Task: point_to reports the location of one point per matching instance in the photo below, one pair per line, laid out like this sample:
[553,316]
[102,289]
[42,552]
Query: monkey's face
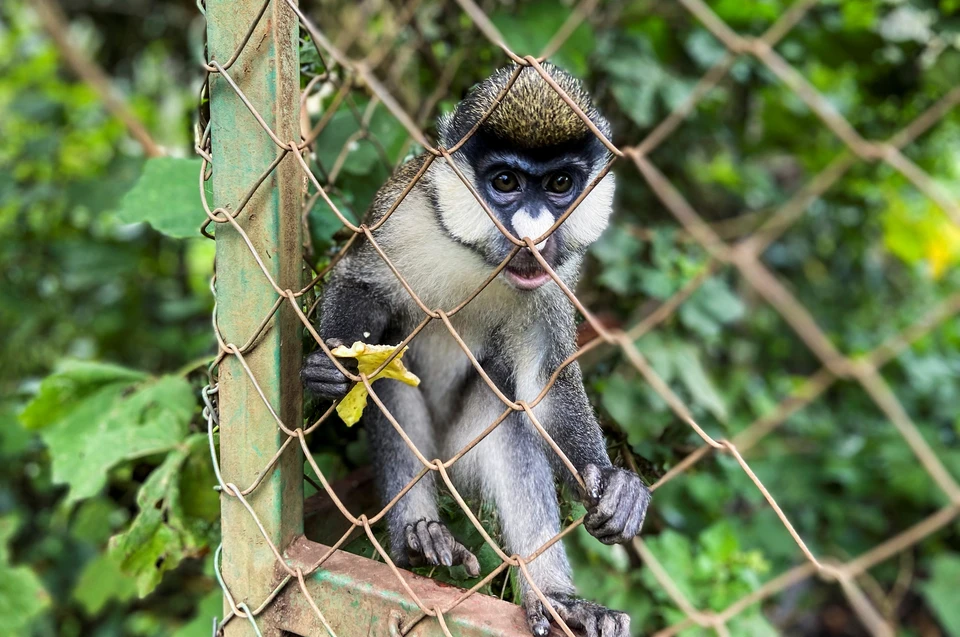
[529,191]
[528,195]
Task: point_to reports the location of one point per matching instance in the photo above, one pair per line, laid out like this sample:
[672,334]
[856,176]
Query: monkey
[529,159]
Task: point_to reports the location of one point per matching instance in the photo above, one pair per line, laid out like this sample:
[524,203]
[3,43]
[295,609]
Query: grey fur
[445,247]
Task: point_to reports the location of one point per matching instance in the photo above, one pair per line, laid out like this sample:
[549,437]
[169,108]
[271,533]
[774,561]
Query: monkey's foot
[430,542]
[593,620]
[616,502]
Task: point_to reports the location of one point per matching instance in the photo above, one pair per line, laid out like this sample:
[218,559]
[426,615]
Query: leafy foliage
[165,196]
[107,517]
[22,595]
[108,420]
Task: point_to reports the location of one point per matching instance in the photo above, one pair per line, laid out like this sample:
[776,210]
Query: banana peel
[369,358]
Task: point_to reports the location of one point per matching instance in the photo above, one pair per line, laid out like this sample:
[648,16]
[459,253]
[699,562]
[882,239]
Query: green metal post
[267,72]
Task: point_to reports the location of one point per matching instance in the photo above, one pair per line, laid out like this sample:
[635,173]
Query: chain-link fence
[262,537]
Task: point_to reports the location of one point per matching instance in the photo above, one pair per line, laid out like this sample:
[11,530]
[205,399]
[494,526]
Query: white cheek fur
[584,226]
[461,213]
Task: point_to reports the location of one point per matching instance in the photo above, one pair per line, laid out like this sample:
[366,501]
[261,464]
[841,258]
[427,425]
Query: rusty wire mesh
[743,255]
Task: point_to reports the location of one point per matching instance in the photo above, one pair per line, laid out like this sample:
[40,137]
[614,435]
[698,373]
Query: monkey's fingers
[322,374]
[461,555]
[538,618]
[608,504]
[593,483]
[431,542]
[626,523]
[621,511]
[593,619]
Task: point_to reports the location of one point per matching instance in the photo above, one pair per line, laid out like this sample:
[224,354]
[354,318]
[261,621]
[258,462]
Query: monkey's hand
[616,502]
[430,542]
[322,378]
[593,619]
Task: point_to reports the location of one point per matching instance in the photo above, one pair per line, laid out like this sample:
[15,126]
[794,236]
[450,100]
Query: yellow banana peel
[369,358]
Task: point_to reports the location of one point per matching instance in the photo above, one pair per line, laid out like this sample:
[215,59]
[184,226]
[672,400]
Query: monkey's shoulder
[403,180]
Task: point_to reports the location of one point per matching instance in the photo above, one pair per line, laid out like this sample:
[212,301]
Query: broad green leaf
[14,437]
[101,582]
[163,534]
[22,595]
[529,26]
[940,590]
[626,400]
[93,417]
[753,624]
[72,383]
[166,196]
[710,307]
[691,372]
[22,598]
[96,519]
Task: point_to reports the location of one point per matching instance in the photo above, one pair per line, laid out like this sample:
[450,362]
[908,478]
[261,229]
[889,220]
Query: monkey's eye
[559,183]
[506,182]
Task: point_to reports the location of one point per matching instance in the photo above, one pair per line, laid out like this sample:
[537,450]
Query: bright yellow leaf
[915,230]
[943,249]
[369,358]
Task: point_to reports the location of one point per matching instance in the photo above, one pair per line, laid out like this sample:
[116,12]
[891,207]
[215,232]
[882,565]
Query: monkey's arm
[353,310]
[616,499]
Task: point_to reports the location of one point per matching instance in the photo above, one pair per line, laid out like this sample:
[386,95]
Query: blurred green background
[108,519]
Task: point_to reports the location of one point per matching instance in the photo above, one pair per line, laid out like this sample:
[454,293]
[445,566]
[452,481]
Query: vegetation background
[107,514]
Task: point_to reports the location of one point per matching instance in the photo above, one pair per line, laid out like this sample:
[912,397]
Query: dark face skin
[528,192]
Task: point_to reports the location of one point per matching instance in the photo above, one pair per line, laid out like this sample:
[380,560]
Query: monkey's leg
[416,535]
[518,475]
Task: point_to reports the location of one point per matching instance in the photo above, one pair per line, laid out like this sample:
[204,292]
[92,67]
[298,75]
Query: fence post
[267,73]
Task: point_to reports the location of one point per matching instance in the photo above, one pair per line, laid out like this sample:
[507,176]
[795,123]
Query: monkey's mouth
[524,272]
[526,279]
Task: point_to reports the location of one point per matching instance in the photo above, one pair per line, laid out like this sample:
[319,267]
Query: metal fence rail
[255,100]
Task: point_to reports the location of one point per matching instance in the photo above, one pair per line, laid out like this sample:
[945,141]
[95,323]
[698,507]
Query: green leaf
[690,370]
[70,384]
[940,590]
[166,196]
[96,519]
[626,401]
[22,595]
[710,307]
[101,582]
[14,438]
[93,416]
[529,26]
[163,534]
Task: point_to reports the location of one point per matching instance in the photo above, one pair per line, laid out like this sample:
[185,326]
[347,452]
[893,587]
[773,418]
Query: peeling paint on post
[267,72]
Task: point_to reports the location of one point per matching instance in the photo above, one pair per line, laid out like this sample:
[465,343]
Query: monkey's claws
[430,542]
[322,378]
[616,502]
[592,619]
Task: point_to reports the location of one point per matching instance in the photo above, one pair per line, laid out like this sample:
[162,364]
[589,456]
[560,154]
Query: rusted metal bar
[362,598]
[266,72]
